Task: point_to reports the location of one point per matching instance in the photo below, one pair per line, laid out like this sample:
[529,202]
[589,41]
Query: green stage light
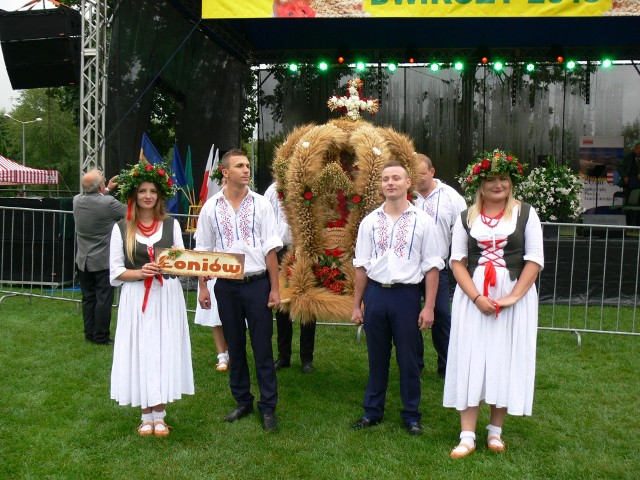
[459,66]
[434,67]
[392,67]
[571,64]
[323,66]
[606,63]
[360,66]
[293,67]
[530,67]
[497,65]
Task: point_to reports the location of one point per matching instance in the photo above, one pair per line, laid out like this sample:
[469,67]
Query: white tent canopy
[12,173]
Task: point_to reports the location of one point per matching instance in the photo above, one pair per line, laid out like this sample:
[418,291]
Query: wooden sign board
[190,263]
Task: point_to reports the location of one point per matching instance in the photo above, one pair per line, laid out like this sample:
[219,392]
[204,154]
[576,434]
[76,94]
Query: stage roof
[279,40]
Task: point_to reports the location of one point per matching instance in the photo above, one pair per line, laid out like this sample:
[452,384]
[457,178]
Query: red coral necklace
[491,222]
[150,230]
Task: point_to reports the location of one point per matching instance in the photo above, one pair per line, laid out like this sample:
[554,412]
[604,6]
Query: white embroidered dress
[152,350]
[494,359]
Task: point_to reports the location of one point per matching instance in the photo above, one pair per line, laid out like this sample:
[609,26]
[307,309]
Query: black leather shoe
[365,422]
[238,413]
[269,422]
[308,367]
[414,428]
[282,363]
[105,342]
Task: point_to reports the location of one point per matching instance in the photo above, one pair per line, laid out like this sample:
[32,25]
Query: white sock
[159,417]
[468,437]
[223,357]
[147,417]
[494,431]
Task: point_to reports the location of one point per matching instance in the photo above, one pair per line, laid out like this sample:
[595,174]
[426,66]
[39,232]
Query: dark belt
[247,278]
[392,285]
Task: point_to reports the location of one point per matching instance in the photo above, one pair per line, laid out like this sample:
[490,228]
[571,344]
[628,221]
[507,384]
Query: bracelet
[477,296]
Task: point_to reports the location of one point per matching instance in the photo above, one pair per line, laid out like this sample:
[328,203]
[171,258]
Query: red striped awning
[12,173]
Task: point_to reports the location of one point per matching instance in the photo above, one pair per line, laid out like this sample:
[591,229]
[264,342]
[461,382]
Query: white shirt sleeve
[205,231]
[116,257]
[178,242]
[363,253]
[269,232]
[459,245]
[533,243]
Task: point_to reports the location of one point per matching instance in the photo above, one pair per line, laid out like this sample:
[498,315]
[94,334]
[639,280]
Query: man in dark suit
[95,213]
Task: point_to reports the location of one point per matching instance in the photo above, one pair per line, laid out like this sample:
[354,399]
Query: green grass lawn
[57,421]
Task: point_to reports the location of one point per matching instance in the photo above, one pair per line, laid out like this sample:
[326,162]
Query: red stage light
[411,60]
[340,59]
[484,60]
[560,59]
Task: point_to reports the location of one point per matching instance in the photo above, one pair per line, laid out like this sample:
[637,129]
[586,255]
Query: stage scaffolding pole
[93,85]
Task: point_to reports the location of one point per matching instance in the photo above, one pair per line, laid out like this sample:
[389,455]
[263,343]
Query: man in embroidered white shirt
[444,205]
[237,220]
[396,248]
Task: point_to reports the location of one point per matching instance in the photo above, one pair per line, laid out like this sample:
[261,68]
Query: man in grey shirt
[95,213]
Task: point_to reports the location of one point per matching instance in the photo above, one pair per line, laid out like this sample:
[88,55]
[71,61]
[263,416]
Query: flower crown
[216,173]
[497,162]
[159,173]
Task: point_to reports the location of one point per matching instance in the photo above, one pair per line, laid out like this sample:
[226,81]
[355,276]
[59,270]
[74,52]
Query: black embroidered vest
[513,251]
[140,254]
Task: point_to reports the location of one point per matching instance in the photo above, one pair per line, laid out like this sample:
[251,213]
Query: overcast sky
[6,92]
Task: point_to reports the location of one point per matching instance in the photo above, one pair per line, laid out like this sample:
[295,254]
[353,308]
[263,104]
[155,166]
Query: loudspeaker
[41,48]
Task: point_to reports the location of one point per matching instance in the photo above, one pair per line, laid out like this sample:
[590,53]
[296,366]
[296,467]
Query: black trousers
[442,321]
[97,300]
[285,337]
[237,301]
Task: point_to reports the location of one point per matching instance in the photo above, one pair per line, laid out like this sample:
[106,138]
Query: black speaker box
[41,48]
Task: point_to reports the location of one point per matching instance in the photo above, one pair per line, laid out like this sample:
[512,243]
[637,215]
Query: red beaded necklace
[491,222]
[150,230]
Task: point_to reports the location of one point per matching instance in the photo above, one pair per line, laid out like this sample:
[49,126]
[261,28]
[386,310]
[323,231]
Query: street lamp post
[24,187]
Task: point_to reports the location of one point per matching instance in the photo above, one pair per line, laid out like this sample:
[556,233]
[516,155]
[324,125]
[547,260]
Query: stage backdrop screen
[416,8]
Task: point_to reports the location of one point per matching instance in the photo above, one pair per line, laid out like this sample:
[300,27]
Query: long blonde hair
[476,208]
[131,222]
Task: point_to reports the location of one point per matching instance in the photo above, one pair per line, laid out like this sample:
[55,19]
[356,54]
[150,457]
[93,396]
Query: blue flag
[148,152]
[188,198]
[181,181]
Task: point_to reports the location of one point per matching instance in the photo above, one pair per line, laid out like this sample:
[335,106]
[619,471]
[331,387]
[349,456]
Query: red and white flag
[209,187]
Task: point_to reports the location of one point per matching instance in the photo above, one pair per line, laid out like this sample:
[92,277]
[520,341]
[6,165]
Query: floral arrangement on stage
[329,179]
[353,103]
[554,191]
[496,162]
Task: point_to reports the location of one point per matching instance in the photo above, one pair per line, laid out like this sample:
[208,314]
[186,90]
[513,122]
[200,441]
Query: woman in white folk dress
[152,350]
[496,255]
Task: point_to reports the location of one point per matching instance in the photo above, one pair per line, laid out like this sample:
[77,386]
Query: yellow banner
[415,8]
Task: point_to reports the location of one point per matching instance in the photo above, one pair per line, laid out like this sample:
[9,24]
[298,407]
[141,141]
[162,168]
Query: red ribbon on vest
[490,273]
[149,280]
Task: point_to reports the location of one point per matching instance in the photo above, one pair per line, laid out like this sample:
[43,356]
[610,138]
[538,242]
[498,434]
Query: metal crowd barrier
[589,283]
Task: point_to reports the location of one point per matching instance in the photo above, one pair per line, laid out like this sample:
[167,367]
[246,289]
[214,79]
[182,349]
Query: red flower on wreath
[328,273]
[485,164]
[148,168]
[307,195]
[356,199]
[477,168]
[280,194]
[161,172]
[169,182]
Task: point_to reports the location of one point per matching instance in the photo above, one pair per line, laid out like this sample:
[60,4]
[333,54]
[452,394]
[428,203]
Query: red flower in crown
[519,168]
[148,168]
[485,164]
[509,158]
[169,182]
[469,179]
[161,172]
[477,168]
